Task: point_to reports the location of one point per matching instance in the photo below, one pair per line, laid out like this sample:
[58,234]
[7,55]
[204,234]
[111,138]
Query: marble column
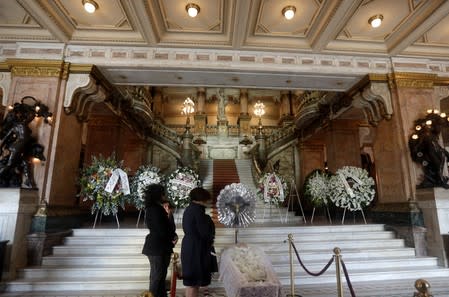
[200,116]
[342,143]
[286,116]
[157,103]
[397,176]
[244,117]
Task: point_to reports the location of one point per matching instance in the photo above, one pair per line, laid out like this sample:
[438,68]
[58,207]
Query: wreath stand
[294,193]
[101,216]
[344,212]
[265,209]
[138,217]
[328,215]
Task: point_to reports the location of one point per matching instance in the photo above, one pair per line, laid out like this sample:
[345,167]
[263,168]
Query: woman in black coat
[198,261]
[160,241]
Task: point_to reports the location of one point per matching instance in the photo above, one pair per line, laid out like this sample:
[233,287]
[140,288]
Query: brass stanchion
[422,286]
[338,271]
[292,274]
[174,275]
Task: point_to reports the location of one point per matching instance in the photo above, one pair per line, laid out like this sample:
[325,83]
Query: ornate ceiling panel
[326,26]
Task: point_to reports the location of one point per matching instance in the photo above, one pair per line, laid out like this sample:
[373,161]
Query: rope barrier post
[337,257]
[174,275]
[422,286]
[292,274]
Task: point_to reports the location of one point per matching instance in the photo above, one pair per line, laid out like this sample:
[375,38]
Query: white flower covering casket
[247,272]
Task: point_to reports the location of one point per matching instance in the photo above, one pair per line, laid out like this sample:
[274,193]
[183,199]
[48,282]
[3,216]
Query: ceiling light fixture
[90,5]
[376,20]
[289,12]
[192,9]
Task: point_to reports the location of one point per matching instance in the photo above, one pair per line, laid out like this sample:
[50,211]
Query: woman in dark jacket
[160,241]
[197,259]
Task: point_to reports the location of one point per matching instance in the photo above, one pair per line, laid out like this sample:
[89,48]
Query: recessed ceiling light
[289,12]
[90,5]
[376,20]
[192,9]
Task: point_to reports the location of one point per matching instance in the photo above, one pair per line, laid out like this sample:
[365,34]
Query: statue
[17,146]
[222,102]
[425,149]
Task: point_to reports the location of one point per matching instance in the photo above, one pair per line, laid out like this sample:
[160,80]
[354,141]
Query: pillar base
[434,203]
[17,207]
[406,221]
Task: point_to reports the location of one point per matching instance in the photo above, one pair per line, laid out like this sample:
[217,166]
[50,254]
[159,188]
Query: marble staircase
[95,259]
[107,261]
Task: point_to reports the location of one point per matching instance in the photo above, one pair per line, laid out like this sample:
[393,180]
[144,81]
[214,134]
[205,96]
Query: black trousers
[158,274]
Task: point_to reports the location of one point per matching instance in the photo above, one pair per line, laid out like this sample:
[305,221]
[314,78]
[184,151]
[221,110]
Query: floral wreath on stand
[179,184]
[144,176]
[105,182]
[272,188]
[316,188]
[351,188]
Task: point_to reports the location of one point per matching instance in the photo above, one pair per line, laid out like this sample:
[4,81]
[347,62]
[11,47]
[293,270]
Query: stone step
[139,267]
[125,282]
[395,288]
[296,230]
[133,252]
[229,238]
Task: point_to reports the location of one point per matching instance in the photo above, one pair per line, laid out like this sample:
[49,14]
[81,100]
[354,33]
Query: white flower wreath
[179,184]
[145,175]
[351,188]
[317,188]
[272,188]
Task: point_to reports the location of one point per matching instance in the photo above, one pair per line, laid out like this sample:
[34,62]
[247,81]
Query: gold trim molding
[412,80]
[81,68]
[4,67]
[38,68]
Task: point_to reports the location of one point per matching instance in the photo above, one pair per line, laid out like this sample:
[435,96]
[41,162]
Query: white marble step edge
[119,283]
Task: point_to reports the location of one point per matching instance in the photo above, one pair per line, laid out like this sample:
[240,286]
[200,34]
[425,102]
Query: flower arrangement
[351,188]
[316,188]
[272,188]
[104,182]
[249,262]
[179,184]
[144,176]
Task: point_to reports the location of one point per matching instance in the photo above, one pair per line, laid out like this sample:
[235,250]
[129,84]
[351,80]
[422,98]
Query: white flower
[351,188]
[145,175]
[179,185]
[317,189]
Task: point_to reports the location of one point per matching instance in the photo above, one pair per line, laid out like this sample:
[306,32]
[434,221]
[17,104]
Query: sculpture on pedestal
[17,145]
[425,148]
[222,102]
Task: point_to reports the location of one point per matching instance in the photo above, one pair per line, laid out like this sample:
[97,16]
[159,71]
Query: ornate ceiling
[328,45]
[410,27]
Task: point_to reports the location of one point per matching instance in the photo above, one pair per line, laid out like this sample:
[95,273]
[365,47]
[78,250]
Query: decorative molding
[37,68]
[4,67]
[441,92]
[375,100]
[5,82]
[74,82]
[82,92]
[413,80]
[81,68]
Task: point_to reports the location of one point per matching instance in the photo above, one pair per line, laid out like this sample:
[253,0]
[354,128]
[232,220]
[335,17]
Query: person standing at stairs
[161,239]
[198,259]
